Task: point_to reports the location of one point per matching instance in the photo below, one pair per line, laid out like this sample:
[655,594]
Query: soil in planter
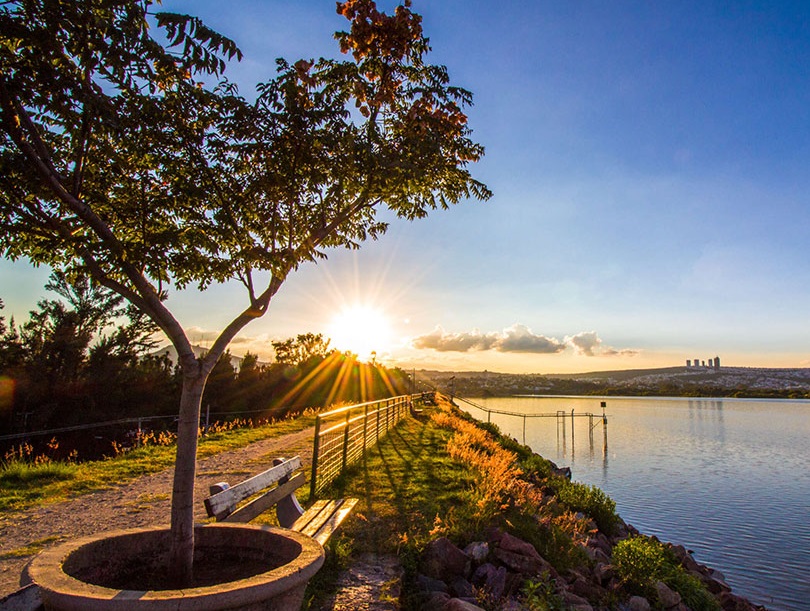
[212,566]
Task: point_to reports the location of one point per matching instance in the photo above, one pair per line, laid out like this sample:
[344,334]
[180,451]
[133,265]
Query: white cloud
[515,339]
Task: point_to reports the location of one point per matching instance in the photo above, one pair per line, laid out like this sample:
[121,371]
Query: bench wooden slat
[225,502]
[331,525]
[261,504]
[321,520]
[309,515]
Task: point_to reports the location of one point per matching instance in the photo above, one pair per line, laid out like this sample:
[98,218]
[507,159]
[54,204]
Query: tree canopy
[127,157]
[118,160]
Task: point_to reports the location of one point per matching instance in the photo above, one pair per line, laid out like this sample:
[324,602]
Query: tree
[119,161]
[298,350]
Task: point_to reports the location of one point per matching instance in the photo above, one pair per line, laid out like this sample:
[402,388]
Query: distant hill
[665,381]
[622,374]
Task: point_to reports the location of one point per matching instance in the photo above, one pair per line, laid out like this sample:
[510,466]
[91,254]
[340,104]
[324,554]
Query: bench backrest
[223,504]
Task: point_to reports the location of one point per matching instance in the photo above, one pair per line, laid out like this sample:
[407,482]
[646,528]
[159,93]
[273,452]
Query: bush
[591,501]
[641,561]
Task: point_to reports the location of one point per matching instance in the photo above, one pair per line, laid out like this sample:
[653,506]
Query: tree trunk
[185,469]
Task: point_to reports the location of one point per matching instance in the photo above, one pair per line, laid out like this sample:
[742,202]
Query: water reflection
[706,418]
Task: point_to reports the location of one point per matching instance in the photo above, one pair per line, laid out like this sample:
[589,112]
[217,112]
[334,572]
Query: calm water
[726,478]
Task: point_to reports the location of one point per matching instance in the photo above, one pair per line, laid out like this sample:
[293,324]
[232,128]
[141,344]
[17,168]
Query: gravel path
[142,502]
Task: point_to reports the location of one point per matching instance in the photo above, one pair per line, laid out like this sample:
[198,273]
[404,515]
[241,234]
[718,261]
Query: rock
[638,603]
[732,602]
[604,572]
[437,600]
[429,584]
[490,578]
[520,556]
[477,551]
[513,544]
[494,535]
[596,554]
[575,602]
[462,588]
[445,561]
[713,585]
[667,597]
[720,579]
[686,559]
[600,542]
[456,604]
[586,589]
[525,565]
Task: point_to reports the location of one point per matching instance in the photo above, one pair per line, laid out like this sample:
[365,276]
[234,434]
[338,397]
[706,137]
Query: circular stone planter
[91,574]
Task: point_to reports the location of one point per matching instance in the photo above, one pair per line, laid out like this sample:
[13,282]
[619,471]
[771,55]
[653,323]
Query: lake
[726,478]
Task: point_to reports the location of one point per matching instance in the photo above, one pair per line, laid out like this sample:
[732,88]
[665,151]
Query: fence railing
[343,435]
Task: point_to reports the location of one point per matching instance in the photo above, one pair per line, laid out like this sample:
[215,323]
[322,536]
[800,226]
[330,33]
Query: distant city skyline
[652,200]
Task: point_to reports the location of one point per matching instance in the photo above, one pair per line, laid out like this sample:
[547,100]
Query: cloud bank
[517,338]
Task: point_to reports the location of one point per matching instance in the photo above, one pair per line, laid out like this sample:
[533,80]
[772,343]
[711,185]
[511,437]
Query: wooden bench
[278,486]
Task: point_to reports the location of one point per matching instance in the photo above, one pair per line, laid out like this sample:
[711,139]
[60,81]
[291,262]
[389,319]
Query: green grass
[26,484]
[29,550]
[409,490]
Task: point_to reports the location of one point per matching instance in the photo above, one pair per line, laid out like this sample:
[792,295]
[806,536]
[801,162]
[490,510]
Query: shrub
[641,561]
[591,501]
[539,595]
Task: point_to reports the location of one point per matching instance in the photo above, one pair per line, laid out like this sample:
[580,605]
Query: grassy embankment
[27,481]
[447,474]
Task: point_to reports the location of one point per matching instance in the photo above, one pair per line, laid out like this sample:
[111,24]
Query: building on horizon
[712,363]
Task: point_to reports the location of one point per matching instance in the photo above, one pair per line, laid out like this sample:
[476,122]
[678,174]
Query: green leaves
[201,45]
[118,159]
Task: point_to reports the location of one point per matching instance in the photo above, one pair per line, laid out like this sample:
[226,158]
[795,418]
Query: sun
[363,330]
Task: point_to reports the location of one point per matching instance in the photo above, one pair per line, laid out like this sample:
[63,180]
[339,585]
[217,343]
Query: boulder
[574,602]
[519,546]
[525,565]
[456,604]
[601,542]
[444,560]
[586,589]
[462,588]
[429,584]
[604,572]
[437,600]
[668,598]
[477,551]
[732,602]
[638,603]
[490,578]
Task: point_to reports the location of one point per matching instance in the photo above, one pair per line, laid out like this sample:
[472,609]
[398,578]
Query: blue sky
[652,195]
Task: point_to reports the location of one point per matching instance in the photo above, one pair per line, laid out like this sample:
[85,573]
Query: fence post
[315,449]
[346,439]
[365,428]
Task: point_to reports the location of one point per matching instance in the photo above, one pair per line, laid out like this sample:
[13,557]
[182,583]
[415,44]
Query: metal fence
[343,435]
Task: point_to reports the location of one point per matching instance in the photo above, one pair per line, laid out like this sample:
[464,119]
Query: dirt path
[142,502]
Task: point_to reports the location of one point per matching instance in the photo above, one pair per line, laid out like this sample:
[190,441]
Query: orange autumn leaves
[375,34]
